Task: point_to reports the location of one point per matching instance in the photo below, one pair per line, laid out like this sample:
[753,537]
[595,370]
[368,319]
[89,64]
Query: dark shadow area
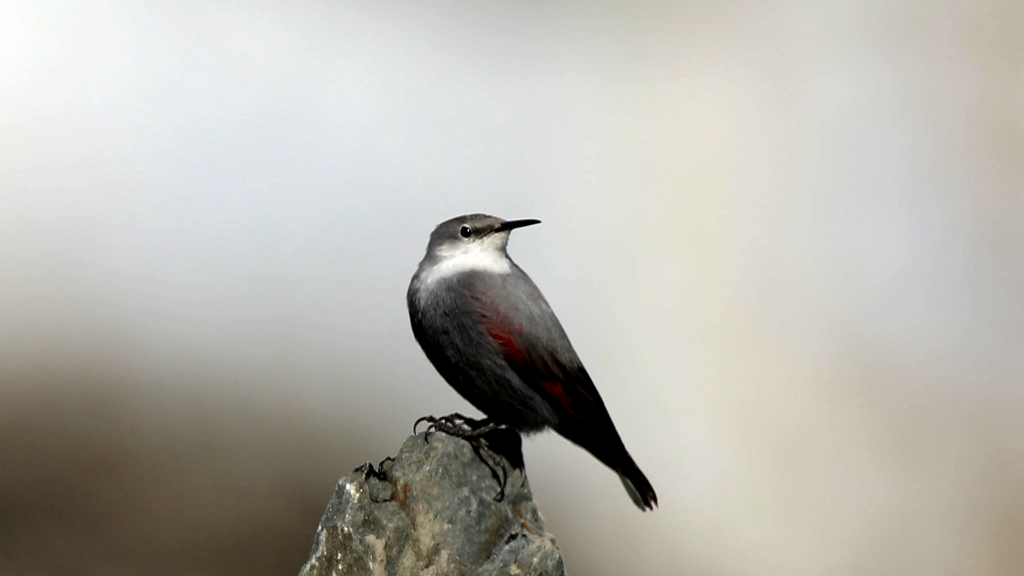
[103,477]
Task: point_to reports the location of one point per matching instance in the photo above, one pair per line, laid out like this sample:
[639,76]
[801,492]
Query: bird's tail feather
[638,488]
[604,443]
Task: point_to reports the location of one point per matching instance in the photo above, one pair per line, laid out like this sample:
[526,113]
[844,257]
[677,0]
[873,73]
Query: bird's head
[469,243]
[473,234]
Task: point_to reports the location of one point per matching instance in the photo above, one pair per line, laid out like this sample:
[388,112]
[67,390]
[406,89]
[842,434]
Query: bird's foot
[498,469]
[456,424]
[496,446]
[380,472]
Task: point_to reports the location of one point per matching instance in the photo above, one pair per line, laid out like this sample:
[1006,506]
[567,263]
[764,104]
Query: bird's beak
[513,224]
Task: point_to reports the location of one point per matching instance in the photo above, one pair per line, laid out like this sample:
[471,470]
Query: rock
[435,510]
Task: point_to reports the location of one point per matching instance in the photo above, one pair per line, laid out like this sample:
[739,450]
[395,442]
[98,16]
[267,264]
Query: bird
[491,334]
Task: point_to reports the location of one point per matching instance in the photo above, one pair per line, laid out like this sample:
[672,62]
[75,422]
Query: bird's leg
[481,426]
[481,434]
[477,432]
[502,479]
[449,424]
[476,427]
[456,424]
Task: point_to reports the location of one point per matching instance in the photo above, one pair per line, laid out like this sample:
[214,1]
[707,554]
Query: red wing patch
[505,334]
[508,345]
[558,393]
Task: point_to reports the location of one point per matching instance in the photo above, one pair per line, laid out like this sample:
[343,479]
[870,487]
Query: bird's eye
[466,231]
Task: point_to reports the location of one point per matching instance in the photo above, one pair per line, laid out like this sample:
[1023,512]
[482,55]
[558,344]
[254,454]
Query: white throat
[484,255]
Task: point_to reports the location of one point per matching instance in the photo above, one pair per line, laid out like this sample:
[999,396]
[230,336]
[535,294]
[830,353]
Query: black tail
[605,444]
[638,488]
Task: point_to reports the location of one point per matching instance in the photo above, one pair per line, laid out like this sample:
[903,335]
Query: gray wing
[450,327]
[518,319]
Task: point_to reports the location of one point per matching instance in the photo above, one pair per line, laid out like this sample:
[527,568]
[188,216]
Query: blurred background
[785,237]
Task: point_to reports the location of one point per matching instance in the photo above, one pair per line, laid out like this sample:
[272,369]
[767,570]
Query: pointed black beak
[513,224]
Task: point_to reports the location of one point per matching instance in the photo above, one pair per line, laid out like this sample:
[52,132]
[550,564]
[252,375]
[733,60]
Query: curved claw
[502,478]
[474,432]
[428,419]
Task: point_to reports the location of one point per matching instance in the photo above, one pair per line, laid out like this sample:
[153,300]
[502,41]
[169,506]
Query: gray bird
[488,330]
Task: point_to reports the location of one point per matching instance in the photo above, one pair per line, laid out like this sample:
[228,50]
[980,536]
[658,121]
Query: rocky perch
[436,509]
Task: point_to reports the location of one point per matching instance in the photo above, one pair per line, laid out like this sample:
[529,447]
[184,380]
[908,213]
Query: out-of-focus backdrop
[785,237]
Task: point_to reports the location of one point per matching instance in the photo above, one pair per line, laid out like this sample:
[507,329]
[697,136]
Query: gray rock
[431,512]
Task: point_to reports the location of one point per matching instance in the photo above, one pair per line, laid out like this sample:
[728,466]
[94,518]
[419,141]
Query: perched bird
[488,330]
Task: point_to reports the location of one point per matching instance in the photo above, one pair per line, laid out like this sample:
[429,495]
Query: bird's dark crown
[470,227]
